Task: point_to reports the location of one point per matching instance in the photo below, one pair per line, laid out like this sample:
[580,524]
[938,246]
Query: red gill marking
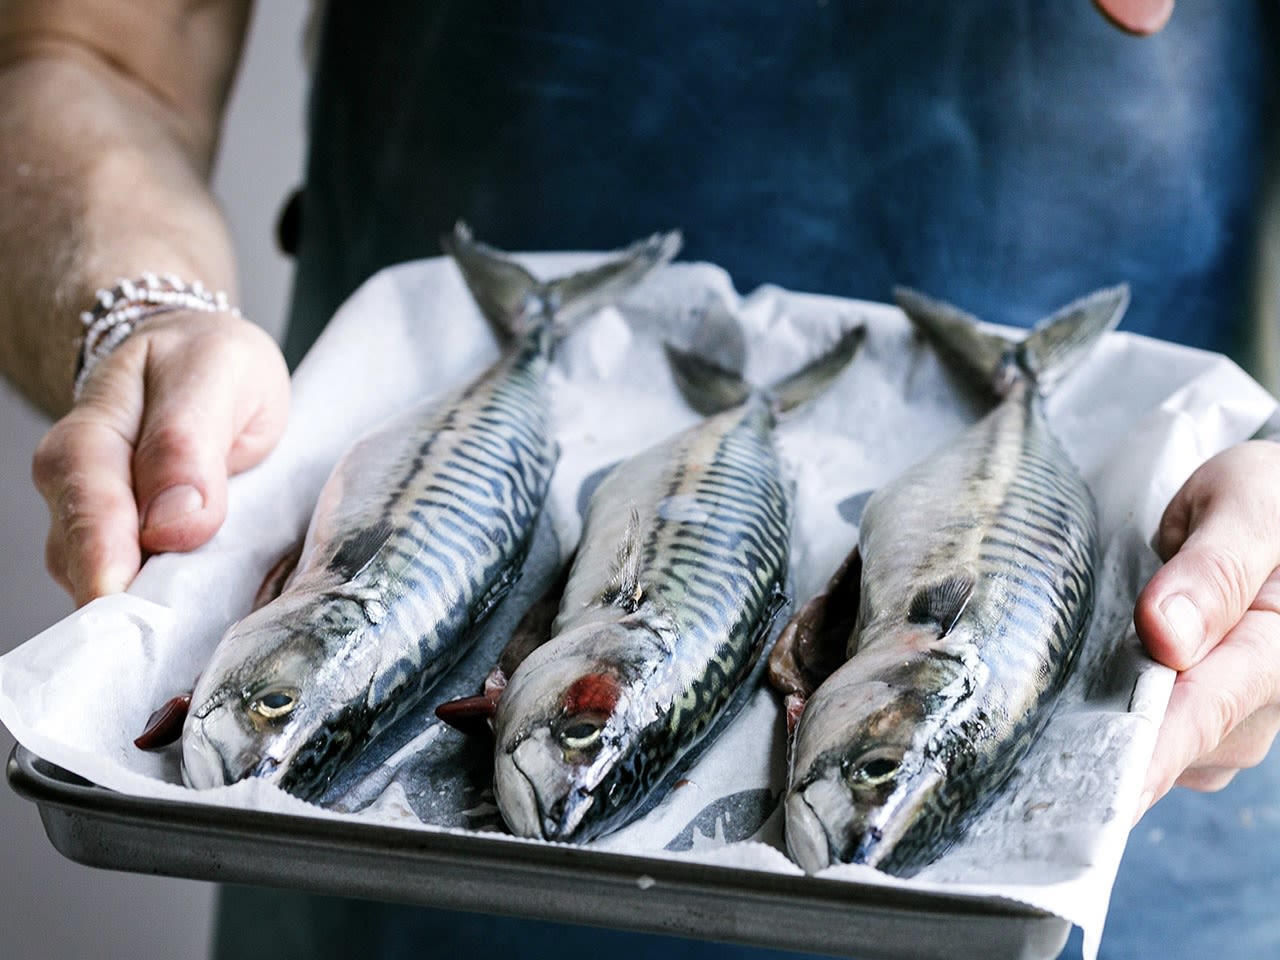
[595,693]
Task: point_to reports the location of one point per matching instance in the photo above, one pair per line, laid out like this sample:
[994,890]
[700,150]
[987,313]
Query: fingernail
[1184,620]
[1137,16]
[101,583]
[113,581]
[170,506]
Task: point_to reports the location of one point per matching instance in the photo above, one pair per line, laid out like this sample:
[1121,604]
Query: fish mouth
[203,764]
[526,809]
[806,835]
[824,827]
[206,761]
[517,799]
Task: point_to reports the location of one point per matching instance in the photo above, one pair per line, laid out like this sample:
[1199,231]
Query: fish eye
[873,770]
[581,733]
[274,704]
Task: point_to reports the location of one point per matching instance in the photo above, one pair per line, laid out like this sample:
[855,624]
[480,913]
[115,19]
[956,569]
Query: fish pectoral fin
[165,725]
[471,715]
[624,588]
[357,551]
[941,603]
[814,642]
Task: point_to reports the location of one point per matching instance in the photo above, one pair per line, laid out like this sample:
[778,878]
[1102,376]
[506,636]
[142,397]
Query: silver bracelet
[118,311]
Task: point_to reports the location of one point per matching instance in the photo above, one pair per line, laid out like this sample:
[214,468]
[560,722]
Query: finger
[1244,748]
[179,464]
[1224,545]
[203,422]
[81,468]
[1214,699]
[1140,17]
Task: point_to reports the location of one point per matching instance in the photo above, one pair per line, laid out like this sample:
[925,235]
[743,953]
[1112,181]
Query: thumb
[1220,537]
[202,422]
[1137,16]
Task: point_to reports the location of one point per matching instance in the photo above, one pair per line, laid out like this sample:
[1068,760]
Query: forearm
[103,174]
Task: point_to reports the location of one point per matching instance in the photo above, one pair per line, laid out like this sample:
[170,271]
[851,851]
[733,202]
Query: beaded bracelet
[118,311]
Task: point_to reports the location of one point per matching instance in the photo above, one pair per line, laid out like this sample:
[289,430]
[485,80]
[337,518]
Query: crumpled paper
[1136,418]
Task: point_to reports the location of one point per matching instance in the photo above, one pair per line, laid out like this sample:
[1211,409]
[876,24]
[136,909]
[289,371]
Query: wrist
[120,310]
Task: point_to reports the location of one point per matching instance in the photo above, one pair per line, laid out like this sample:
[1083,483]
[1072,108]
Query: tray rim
[76,813]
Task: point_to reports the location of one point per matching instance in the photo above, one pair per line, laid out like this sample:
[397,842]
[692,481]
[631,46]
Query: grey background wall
[50,907]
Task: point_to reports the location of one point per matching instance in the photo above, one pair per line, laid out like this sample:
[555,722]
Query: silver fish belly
[653,638]
[977,589]
[419,531]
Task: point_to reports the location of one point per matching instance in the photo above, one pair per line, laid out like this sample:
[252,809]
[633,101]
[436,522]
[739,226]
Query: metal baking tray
[102,828]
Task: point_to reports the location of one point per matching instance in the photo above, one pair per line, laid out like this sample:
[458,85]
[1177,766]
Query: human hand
[1137,16]
[1212,612]
[140,463]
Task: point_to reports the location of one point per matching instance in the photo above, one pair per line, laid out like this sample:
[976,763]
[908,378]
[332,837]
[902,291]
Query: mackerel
[976,590]
[668,605]
[418,534]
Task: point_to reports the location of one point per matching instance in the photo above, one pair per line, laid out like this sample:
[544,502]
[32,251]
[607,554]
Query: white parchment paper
[1137,418]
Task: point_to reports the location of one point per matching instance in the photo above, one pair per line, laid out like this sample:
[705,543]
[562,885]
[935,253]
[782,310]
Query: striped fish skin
[652,640]
[418,532]
[995,536]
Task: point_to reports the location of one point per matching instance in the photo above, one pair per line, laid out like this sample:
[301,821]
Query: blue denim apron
[1007,155]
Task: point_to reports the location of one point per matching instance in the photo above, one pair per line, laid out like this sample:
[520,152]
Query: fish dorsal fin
[355,553]
[624,588]
[942,603]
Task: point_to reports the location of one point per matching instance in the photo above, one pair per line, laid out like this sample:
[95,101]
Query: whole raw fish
[417,535]
[678,577]
[977,578]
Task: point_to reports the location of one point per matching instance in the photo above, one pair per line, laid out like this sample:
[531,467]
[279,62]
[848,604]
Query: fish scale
[678,577]
[434,586]
[977,579]
[703,589]
[420,530]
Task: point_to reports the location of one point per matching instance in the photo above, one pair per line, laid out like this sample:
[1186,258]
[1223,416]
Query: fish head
[567,729]
[862,773]
[265,707]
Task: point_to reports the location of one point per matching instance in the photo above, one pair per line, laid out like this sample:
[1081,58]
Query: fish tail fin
[1045,356]
[710,388]
[797,389]
[705,385]
[517,302]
